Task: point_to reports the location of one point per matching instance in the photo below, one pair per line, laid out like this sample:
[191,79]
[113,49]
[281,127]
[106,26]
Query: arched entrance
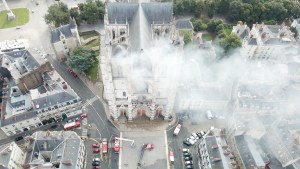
[122,115]
[142,112]
[159,113]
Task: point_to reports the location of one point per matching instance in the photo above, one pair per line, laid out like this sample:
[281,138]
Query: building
[214,151]
[65,39]
[57,149]
[266,42]
[33,94]
[131,31]
[296,24]
[282,141]
[11,156]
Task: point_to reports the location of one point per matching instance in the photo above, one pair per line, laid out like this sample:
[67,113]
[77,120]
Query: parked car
[187,143]
[185,150]
[188,158]
[96,159]
[70,121]
[199,135]
[96,167]
[72,72]
[188,162]
[195,136]
[96,163]
[192,137]
[18,138]
[76,119]
[96,150]
[83,116]
[189,167]
[192,141]
[95,145]
[186,154]
[54,126]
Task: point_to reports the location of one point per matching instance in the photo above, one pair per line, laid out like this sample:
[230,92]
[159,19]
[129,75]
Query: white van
[209,115]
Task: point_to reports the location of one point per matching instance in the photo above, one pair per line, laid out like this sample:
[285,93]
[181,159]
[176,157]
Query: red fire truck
[72,125]
[104,146]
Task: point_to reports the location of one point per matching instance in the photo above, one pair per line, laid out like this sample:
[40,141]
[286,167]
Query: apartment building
[57,149]
[11,156]
[33,94]
[214,151]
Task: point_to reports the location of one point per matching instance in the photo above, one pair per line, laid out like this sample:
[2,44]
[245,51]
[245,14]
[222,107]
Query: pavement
[154,159]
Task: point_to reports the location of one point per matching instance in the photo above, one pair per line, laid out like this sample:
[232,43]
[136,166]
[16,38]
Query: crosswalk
[84,122]
[90,101]
[84,132]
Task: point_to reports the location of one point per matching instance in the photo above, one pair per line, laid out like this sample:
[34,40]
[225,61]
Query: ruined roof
[121,12]
[65,30]
[184,24]
[158,13]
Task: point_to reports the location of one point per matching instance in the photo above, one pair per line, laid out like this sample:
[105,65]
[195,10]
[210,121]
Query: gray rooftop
[248,152]
[5,155]
[53,99]
[27,59]
[252,41]
[18,117]
[214,152]
[65,30]
[184,24]
[121,12]
[158,13]
[61,146]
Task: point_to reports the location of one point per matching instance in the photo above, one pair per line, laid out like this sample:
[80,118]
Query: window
[124,94]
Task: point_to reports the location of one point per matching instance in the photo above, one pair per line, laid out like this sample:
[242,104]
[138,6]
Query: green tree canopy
[91,11]
[230,42]
[82,58]
[57,14]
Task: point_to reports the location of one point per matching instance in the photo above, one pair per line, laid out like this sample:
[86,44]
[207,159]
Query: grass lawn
[93,43]
[22,17]
[88,35]
[228,30]
[93,71]
[208,37]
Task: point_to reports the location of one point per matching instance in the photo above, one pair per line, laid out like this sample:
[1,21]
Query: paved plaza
[154,159]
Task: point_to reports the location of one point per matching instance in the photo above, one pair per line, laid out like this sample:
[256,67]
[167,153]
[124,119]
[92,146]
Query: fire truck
[72,125]
[104,146]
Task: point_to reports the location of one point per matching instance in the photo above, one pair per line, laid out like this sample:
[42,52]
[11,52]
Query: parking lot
[191,123]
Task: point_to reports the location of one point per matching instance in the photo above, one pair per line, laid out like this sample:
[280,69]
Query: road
[95,110]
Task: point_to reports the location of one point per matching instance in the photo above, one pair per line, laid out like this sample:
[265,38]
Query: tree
[235,12]
[75,14]
[91,11]
[57,14]
[199,8]
[231,41]
[82,58]
[213,24]
[295,31]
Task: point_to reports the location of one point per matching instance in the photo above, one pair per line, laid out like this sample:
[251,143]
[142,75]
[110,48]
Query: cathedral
[138,79]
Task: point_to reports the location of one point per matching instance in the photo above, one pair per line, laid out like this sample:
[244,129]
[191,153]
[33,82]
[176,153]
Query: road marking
[100,118]
[121,149]
[166,143]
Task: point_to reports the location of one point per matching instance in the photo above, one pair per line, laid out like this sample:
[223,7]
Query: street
[189,125]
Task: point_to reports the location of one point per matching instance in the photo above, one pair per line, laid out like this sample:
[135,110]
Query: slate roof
[184,24]
[18,117]
[252,41]
[29,62]
[52,100]
[60,145]
[214,152]
[248,152]
[120,12]
[297,20]
[274,28]
[65,30]
[158,13]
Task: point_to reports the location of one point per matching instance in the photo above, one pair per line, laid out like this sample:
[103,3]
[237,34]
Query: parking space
[191,123]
